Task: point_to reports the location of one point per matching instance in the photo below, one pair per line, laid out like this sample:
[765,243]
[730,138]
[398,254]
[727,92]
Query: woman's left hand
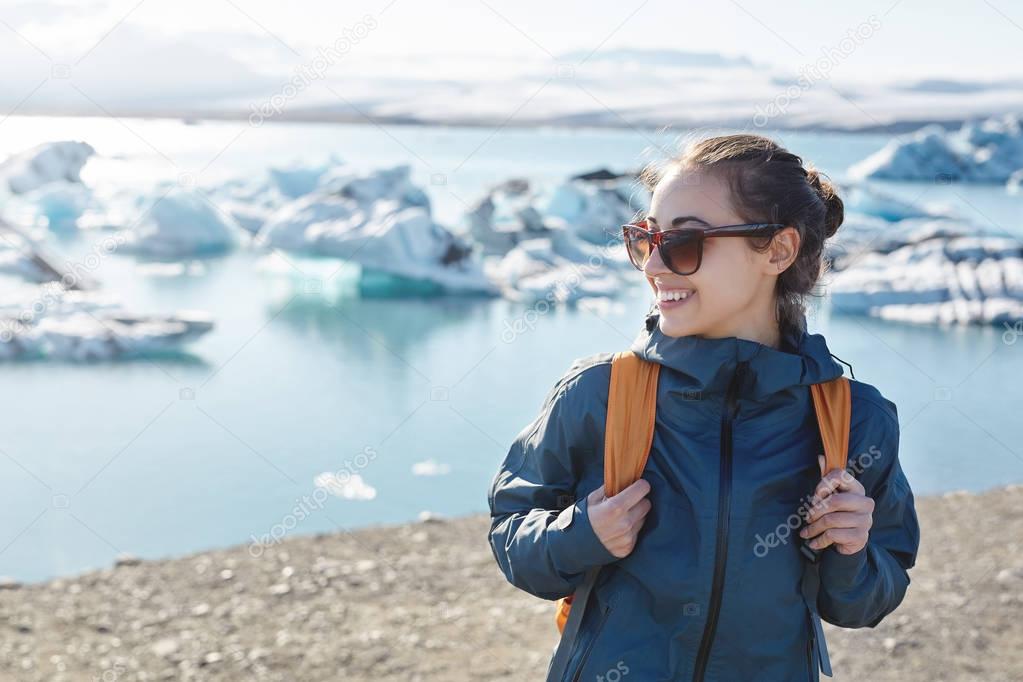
[840,514]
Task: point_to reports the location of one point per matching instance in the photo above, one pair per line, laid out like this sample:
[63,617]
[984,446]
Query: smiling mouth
[674,298]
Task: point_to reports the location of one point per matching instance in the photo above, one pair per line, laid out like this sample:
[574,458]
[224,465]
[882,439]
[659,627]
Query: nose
[654,265]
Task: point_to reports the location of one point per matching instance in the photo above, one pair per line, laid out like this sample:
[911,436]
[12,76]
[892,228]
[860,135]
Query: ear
[784,250]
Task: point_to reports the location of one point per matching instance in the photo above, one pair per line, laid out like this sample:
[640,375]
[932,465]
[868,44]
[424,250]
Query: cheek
[726,273]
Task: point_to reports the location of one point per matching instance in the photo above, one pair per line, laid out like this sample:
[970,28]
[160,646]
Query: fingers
[632,494]
[836,520]
[835,481]
[617,520]
[638,514]
[840,502]
[625,529]
[845,540]
[596,497]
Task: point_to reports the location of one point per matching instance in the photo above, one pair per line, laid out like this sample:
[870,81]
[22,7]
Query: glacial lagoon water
[164,456]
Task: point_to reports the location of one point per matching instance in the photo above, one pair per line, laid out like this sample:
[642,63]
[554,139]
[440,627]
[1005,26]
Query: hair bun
[834,208]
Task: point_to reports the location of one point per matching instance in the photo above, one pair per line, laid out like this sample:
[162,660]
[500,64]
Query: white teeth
[673,295]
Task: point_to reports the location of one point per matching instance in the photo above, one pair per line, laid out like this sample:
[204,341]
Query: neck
[757,325]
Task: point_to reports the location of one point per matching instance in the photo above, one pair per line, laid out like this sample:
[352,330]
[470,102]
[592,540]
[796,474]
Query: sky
[162,49]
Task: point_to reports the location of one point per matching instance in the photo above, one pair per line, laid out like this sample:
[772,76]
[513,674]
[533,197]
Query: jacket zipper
[589,645]
[724,506]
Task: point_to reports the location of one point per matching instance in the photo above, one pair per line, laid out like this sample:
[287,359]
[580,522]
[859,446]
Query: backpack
[629,433]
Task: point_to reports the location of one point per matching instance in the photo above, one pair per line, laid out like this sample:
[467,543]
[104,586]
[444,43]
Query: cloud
[132,68]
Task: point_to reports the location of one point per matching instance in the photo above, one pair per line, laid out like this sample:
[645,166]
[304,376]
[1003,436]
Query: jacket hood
[803,360]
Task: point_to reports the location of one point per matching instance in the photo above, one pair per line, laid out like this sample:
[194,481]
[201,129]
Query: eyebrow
[680,220]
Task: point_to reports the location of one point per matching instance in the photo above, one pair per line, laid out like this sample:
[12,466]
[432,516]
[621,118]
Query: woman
[702,574]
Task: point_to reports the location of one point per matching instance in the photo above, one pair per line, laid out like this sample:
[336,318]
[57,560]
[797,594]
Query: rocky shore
[425,601]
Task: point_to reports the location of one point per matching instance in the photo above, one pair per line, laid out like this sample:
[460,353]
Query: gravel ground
[426,601]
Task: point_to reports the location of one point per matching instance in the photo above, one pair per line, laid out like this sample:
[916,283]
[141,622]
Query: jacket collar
[710,363]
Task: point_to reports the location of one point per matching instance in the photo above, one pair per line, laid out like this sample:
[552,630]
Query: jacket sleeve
[859,590]
[539,533]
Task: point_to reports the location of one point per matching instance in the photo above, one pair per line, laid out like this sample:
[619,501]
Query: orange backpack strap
[833,403]
[628,435]
[631,413]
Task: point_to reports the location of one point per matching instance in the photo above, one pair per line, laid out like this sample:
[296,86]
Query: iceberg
[345,485]
[50,322]
[591,206]
[943,272]
[595,207]
[300,178]
[865,199]
[988,151]
[1015,182]
[45,163]
[381,221]
[56,206]
[177,223]
[430,467]
[533,271]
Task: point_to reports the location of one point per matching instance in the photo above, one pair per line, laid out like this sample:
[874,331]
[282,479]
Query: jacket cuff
[843,571]
[574,545]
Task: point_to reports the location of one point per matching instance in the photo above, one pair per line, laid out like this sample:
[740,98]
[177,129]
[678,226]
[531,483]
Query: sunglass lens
[682,253]
[638,246]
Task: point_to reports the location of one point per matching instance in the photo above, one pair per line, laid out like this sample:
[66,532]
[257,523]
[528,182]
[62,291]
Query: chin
[672,326]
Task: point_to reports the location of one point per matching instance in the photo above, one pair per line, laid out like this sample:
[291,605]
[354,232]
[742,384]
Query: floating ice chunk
[504,217]
[180,269]
[1015,182]
[178,223]
[394,184]
[50,322]
[299,178]
[862,198]
[382,222]
[345,485]
[84,337]
[984,151]
[591,206]
[936,276]
[430,467]
[56,206]
[48,162]
[532,271]
[595,209]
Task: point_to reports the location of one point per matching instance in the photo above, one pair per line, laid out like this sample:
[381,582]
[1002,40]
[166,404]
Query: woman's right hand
[617,520]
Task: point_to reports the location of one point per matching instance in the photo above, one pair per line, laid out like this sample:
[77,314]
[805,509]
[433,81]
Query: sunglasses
[681,249]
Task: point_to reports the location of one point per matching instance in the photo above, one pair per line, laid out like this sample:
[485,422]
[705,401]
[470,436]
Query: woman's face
[732,294]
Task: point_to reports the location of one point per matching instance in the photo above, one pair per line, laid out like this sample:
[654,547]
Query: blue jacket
[712,588]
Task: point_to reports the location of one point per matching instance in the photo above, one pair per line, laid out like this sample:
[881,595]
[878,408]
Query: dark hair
[770,184]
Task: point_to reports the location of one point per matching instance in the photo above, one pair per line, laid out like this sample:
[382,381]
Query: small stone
[165,647]
[200,609]
[226,574]
[280,589]
[889,644]
[127,560]
[426,516]
[212,657]
[1009,575]
[8,583]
